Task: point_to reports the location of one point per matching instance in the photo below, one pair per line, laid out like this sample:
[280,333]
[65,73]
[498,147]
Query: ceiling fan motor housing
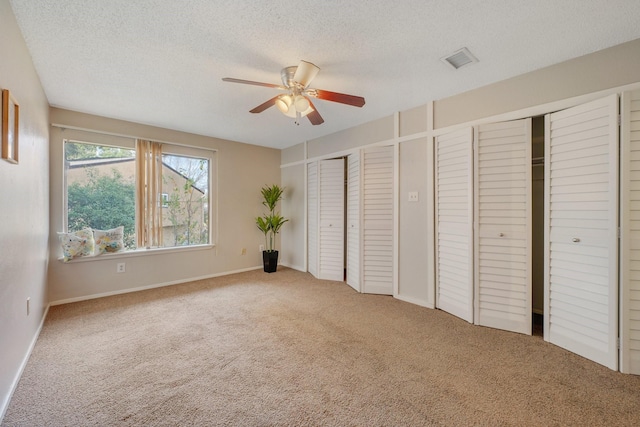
[287,76]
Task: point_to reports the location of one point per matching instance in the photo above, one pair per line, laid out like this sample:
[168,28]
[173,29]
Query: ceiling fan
[296,102]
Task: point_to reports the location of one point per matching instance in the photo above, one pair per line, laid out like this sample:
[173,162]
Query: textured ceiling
[161,62]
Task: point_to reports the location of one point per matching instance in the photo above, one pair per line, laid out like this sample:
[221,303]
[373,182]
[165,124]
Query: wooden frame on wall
[10,127]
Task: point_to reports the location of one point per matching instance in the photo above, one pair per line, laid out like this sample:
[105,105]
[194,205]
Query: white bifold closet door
[312,218]
[331,219]
[630,235]
[377,220]
[454,223]
[353,221]
[581,226]
[503,225]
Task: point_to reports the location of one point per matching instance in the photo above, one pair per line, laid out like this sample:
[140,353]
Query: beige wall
[24,222]
[293,207]
[242,169]
[292,154]
[369,133]
[413,244]
[413,121]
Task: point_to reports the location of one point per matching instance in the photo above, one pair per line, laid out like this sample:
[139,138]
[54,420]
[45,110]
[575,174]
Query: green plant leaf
[271,195]
[263,224]
[276,221]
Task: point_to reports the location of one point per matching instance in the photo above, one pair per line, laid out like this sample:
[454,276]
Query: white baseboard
[4,405]
[415,301]
[156,285]
[293,267]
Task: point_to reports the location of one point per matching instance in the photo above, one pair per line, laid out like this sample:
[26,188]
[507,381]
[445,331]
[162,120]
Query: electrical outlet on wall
[413,196]
[261,248]
[120,268]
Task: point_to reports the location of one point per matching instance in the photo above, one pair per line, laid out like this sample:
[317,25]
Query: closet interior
[537,223]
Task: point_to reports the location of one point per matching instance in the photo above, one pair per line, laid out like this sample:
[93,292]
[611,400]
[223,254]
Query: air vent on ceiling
[459,58]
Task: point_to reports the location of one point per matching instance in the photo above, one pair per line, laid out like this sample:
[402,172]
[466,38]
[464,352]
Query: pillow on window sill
[76,244]
[109,241]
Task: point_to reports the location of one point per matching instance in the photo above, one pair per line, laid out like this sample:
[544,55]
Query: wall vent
[459,58]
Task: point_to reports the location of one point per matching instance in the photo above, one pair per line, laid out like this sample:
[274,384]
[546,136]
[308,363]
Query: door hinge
[619,119]
[618,232]
[618,343]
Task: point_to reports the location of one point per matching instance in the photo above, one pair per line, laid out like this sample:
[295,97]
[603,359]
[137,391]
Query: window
[100,188]
[185,220]
[101,192]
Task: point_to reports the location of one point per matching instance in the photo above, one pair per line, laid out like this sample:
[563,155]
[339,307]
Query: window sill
[137,253]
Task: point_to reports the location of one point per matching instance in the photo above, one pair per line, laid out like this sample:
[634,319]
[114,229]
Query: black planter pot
[270,260]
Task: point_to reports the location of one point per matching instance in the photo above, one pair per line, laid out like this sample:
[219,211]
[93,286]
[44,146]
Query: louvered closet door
[454,223]
[581,246]
[377,212]
[353,221]
[630,223]
[331,208]
[312,218]
[503,226]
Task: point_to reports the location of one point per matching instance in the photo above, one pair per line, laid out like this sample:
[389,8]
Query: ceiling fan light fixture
[292,112]
[283,103]
[301,103]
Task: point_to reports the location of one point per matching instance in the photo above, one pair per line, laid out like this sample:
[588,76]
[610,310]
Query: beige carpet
[257,349]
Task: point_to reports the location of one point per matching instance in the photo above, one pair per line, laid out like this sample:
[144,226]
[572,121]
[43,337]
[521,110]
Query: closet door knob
[575,240]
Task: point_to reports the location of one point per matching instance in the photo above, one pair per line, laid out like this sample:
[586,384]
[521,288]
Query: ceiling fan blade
[314,117]
[249,82]
[305,72]
[260,108]
[343,98]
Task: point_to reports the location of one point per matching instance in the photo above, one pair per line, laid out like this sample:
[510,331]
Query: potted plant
[270,225]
